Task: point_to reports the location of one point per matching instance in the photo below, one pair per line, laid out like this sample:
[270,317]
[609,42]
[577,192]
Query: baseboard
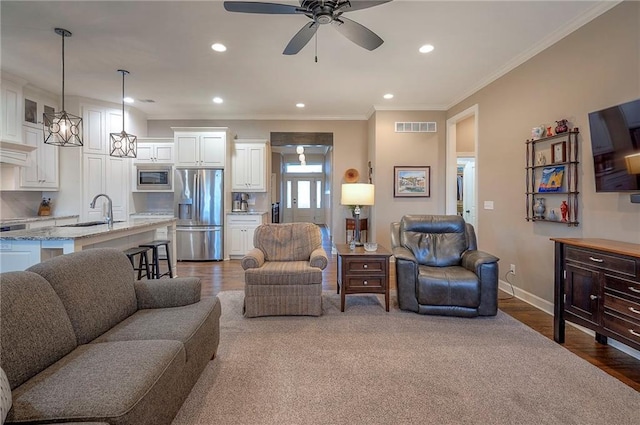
[547,307]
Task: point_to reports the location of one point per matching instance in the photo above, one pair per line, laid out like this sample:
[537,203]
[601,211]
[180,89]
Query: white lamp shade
[357,194]
[633,163]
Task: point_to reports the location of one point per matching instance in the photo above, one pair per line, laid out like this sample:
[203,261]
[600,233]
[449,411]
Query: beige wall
[594,67]
[465,137]
[398,149]
[349,141]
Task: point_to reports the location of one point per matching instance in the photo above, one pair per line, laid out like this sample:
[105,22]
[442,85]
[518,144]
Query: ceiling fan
[321,12]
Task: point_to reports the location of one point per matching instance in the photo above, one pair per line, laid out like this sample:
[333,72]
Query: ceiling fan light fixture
[426,48]
[62,128]
[123,145]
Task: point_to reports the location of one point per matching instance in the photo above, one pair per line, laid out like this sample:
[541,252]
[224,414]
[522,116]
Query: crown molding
[241,117]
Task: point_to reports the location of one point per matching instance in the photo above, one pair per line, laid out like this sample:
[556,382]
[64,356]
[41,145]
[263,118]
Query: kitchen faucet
[109,204]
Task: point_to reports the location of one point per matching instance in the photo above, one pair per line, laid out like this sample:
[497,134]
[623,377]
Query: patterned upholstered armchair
[283,273]
[439,269]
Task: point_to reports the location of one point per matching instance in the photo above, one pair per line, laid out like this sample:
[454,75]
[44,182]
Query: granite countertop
[24,220]
[246,212]
[151,213]
[64,233]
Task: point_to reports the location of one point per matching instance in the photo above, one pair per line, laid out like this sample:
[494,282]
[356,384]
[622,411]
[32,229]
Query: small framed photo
[412,182]
[559,152]
[30,111]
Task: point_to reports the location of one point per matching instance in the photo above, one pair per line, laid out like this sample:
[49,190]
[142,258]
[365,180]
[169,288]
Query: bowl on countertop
[370,246]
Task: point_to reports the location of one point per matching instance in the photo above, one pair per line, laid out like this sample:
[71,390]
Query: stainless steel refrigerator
[198,203]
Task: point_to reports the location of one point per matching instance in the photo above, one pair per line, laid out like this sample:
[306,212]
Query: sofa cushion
[95,286]
[434,240]
[36,331]
[115,382]
[448,286]
[283,273]
[177,323]
[287,242]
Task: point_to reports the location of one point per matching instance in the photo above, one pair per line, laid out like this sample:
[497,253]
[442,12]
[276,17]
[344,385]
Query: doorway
[469,175]
[303,200]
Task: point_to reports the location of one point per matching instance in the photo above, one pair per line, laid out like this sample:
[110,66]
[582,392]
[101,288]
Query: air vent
[415,127]
[146,100]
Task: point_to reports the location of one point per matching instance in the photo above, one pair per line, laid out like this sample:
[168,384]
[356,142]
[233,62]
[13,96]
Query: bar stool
[155,257]
[143,261]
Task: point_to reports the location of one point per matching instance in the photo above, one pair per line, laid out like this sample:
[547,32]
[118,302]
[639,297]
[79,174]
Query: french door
[303,199]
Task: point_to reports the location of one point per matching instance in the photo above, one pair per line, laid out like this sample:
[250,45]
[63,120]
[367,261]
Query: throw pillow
[5,396]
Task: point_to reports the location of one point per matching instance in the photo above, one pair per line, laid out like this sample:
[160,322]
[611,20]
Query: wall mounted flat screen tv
[615,143]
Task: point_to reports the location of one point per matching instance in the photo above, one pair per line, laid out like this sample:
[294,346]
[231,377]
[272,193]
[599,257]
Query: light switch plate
[488,205]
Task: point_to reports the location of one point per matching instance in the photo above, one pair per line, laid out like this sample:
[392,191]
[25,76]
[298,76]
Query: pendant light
[123,145]
[62,128]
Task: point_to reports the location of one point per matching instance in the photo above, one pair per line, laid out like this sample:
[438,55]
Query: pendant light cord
[63,36]
[123,71]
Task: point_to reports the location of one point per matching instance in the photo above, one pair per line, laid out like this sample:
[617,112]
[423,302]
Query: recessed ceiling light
[426,48]
[388,96]
[217,100]
[218,47]
[128,100]
[300,105]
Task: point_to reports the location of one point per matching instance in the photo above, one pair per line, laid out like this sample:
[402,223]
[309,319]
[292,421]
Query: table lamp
[633,167]
[357,194]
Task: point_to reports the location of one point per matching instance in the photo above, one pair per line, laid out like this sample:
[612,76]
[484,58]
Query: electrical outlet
[512,269]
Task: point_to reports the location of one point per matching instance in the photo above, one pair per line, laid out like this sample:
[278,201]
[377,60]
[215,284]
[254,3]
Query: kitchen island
[20,249]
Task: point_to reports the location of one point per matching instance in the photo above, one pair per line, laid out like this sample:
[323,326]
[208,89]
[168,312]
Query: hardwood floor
[228,275]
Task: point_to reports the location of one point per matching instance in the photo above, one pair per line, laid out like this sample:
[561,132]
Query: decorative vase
[542,160]
[562,126]
[549,132]
[539,208]
[537,132]
[564,209]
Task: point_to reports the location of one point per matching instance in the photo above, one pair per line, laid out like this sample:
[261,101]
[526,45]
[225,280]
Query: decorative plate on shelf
[351,175]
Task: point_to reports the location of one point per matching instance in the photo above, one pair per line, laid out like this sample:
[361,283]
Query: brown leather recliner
[439,269]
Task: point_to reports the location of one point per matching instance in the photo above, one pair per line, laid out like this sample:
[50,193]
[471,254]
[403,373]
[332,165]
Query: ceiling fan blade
[268,8]
[301,39]
[357,33]
[360,4]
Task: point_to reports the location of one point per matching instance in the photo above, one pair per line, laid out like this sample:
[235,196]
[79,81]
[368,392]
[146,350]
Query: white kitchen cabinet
[12,111]
[98,122]
[155,152]
[200,148]
[41,171]
[249,166]
[108,175]
[240,230]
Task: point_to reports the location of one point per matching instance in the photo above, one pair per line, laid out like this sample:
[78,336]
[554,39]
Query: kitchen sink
[88,224]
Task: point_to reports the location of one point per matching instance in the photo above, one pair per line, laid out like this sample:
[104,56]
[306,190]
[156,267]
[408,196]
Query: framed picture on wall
[412,181]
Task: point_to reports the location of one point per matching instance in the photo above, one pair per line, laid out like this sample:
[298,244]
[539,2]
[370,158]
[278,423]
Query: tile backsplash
[18,204]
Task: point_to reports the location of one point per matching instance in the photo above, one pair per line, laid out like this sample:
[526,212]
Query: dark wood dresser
[597,285]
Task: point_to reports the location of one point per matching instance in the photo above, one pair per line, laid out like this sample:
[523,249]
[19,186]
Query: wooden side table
[351,226]
[363,272]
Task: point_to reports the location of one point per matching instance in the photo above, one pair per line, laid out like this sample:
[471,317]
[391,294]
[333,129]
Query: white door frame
[452,159]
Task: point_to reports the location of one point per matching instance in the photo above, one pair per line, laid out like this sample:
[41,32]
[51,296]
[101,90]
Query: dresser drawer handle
[634,332]
[593,297]
[632,289]
[366,266]
[365,282]
[596,260]
[634,310]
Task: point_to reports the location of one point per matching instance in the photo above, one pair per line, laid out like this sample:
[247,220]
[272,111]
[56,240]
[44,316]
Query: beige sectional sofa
[81,341]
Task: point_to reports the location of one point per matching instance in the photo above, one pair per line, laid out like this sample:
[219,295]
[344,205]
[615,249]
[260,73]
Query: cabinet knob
[593,297]
[365,282]
[366,266]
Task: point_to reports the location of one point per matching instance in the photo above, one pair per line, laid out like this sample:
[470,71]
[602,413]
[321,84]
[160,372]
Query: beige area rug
[366,366]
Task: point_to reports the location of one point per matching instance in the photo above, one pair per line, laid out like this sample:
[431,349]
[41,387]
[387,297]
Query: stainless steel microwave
[154,177]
